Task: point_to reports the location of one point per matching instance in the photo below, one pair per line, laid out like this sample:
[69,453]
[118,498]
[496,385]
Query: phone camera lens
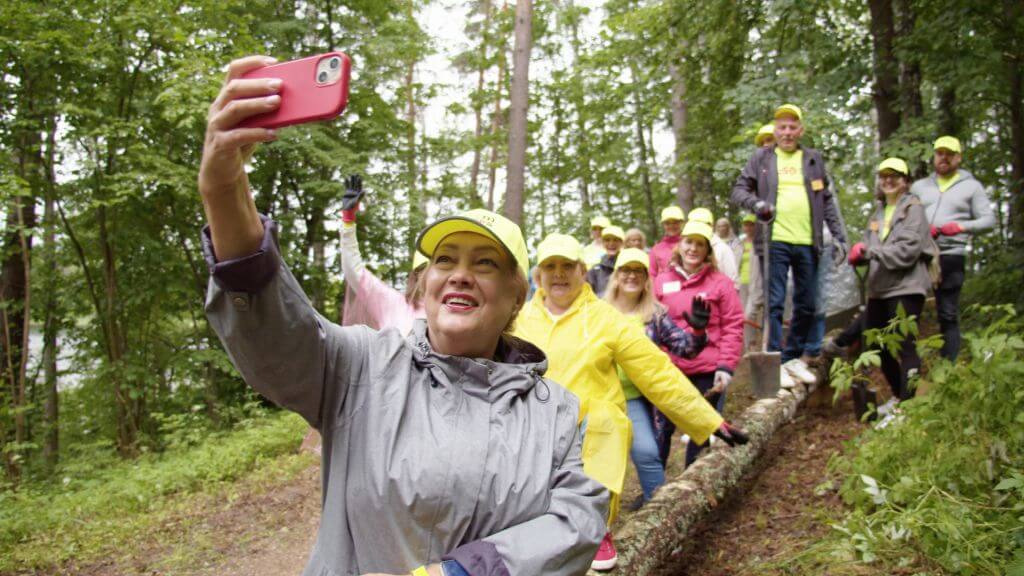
[321,77]
[335,62]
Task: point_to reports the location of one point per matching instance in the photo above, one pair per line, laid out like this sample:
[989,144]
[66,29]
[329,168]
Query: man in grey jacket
[787,186]
[956,206]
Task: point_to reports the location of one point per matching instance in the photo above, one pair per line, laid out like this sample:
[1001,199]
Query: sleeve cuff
[724,369]
[453,568]
[248,273]
[479,557]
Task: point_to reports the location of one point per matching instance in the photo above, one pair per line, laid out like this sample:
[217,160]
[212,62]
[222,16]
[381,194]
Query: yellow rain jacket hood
[583,347]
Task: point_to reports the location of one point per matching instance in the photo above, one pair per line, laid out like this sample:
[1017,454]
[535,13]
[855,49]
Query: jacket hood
[519,370]
[964,175]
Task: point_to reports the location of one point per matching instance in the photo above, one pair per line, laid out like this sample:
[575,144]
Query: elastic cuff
[724,369]
[453,568]
[248,273]
[479,557]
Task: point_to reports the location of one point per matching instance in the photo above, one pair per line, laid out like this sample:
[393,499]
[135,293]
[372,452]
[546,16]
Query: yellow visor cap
[949,143]
[632,256]
[600,222]
[789,110]
[418,260]
[695,227]
[562,245]
[765,132]
[483,222]
[894,164]
[613,231]
[672,213]
[702,215]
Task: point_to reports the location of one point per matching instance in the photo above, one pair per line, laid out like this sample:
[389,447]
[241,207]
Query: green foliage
[944,483]
[97,502]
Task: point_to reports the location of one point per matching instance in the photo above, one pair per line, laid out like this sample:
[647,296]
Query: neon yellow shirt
[890,209]
[793,208]
[748,247]
[946,181]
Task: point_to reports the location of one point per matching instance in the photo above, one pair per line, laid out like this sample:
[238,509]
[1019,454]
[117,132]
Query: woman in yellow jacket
[585,339]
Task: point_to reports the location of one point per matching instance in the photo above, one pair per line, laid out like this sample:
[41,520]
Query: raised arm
[674,338]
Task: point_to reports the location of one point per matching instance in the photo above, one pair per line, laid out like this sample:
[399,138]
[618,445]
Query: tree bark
[684,189]
[478,104]
[949,122]
[51,443]
[499,89]
[1013,12]
[645,173]
[886,89]
[518,108]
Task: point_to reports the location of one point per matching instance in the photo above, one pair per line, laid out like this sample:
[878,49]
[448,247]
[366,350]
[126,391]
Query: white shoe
[798,370]
[886,408]
[785,380]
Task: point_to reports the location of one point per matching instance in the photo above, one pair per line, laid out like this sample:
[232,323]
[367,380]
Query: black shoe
[636,504]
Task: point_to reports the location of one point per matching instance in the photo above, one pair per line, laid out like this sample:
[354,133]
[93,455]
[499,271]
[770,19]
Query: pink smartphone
[313,88]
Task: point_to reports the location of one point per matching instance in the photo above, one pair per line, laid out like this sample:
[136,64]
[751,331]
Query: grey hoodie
[898,264]
[965,202]
[425,456]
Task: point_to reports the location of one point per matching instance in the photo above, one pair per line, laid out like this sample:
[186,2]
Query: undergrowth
[940,489]
[92,508]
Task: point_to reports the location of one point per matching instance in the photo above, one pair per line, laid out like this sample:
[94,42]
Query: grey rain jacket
[759,180]
[965,202]
[425,456]
[898,265]
[600,273]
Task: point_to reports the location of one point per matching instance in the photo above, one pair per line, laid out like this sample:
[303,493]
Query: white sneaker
[785,380]
[798,370]
[886,408]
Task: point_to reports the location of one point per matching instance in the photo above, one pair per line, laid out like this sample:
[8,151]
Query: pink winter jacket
[368,300]
[661,254]
[724,331]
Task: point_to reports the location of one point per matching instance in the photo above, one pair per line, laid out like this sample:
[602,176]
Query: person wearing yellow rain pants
[585,338]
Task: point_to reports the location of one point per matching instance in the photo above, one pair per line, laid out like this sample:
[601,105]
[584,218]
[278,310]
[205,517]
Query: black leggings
[897,370]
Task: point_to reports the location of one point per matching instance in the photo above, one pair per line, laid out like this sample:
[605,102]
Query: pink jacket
[661,254]
[724,331]
[368,300]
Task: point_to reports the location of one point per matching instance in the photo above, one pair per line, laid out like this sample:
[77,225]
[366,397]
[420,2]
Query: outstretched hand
[699,315]
[350,200]
[732,435]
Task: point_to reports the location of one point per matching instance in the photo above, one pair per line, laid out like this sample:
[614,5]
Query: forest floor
[269,528]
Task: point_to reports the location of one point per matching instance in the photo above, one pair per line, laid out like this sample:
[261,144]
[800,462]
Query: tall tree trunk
[911,103]
[949,122]
[519,105]
[416,217]
[684,188]
[579,100]
[492,165]
[478,103]
[51,443]
[887,89]
[1013,12]
[645,173]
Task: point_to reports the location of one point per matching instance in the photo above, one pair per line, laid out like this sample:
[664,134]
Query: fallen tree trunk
[647,540]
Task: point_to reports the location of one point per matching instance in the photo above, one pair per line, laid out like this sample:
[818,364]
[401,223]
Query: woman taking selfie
[586,340]
[691,273]
[630,291]
[444,452]
[897,248]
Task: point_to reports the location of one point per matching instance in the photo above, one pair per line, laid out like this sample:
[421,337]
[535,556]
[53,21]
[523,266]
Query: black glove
[699,315]
[731,435]
[764,211]
[353,192]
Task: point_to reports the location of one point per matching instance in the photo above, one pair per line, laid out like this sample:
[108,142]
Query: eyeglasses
[633,272]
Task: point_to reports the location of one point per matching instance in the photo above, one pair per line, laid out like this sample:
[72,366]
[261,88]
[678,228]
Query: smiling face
[672,227]
[632,279]
[693,251]
[634,240]
[612,245]
[946,161]
[788,131]
[469,295]
[595,233]
[892,183]
[562,281]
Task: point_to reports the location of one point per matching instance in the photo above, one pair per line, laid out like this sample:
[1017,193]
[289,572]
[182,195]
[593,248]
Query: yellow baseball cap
[949,143]
[672,213]
[765,132]
[418,260]
[702,215]
[556,244]
[789,110]
[600,222]
[750,218]
[613,231]
[631,256]
[484,222]
[696,227]
[894,164]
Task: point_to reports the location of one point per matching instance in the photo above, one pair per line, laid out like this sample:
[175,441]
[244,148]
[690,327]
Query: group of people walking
[468,427]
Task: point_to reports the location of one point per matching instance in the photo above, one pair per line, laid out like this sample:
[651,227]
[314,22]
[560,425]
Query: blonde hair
[645,307]
[637,232]
[519,285]
[709,259]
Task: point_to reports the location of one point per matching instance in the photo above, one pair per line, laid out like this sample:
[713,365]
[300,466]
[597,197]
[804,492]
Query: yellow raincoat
[583,347]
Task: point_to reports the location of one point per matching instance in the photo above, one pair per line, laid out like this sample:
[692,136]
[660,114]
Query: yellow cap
[484,222]
[789,110]
[613,231]
[696,227]
[600,222]
[630,256]
[672,213]
[766,131]
[418,260]
[556,244]
[750,218]
[949,143]
[894,164]
[702,215]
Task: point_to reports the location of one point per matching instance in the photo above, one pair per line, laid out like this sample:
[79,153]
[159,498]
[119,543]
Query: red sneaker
[606,555]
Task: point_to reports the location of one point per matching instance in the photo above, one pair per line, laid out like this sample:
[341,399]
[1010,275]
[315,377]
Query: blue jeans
[802,261]
[703,383]
[644,450]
